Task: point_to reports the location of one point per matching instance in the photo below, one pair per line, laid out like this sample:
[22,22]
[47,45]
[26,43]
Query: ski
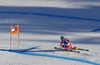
[82,49]
[75,51]
[67,50]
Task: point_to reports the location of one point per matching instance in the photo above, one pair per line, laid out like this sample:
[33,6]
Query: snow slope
[41,25]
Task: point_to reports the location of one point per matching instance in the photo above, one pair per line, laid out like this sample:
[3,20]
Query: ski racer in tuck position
[65,43]
[67,46]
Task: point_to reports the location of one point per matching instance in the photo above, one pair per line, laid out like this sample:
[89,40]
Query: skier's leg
[64,46]
[69,47]
[73,47]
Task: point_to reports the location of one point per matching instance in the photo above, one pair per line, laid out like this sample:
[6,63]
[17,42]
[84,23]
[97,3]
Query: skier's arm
[68,40]
[61,44]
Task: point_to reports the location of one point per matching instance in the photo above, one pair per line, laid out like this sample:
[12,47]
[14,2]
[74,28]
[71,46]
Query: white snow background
[41,23]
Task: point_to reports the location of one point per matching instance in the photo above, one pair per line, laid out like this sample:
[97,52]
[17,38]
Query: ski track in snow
[50,15]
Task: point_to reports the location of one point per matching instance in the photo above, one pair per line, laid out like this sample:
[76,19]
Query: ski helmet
[61,37]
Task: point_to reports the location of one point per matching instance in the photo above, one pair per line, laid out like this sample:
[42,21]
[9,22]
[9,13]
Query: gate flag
[14,30]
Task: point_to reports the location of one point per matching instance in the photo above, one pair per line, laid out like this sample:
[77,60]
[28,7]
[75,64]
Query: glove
[60,47]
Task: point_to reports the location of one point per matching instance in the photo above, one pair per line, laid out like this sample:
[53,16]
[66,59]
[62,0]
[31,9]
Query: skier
[67,45]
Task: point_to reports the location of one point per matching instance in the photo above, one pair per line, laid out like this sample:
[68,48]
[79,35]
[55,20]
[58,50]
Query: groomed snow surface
[41,23]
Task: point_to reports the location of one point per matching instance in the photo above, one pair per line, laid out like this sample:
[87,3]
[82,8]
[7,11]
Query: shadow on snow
[27,52]
[50,21]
